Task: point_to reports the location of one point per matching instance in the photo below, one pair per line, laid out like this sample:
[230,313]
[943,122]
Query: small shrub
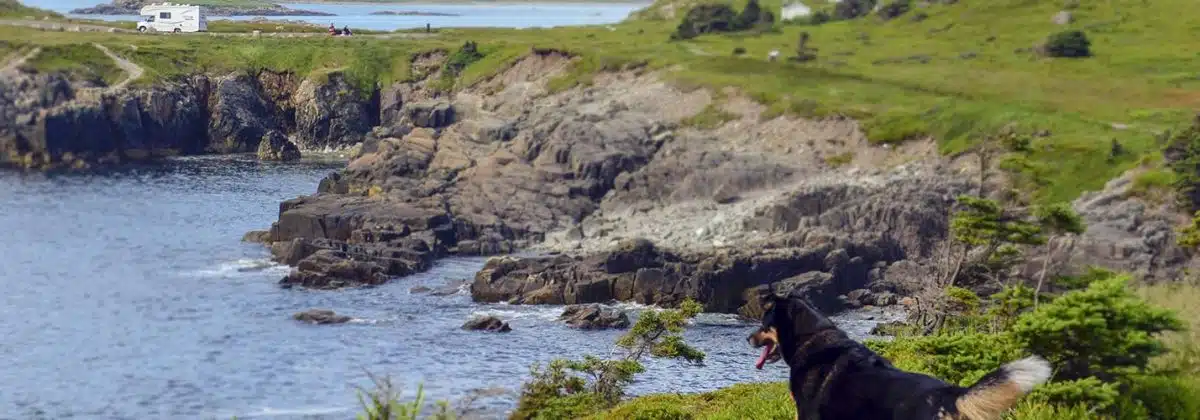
[819,17]
[894,9]
[382,402]
[959,358]
[1182,154]
[1068,44]
[739,50]
[852,9]
[706,18]
[1104,331]
[576,388]
[754,16]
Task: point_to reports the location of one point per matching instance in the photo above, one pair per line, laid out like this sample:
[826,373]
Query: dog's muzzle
[768,339]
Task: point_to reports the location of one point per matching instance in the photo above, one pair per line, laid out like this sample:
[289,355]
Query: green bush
[1182,154]
[1091,393]
[819,17]
[894,9]
[706,18]
[960,358]
[851,9]
[1104,331]
[1070,44]
[754,16]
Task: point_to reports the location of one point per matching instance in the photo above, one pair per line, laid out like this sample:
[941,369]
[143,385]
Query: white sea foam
[244,265]
[290,412]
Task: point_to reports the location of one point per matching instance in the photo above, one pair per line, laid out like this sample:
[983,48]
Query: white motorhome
[167,17]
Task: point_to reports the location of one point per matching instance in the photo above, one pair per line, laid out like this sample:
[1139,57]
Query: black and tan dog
[836,378]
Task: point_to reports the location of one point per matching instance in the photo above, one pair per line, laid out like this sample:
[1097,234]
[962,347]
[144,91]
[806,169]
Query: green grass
[1154,184]
[1185,345]
[760,401]
[711,117]
[79,61]
[839,159]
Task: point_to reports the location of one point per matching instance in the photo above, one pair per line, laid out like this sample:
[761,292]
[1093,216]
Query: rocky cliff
[48,121]
[633,203]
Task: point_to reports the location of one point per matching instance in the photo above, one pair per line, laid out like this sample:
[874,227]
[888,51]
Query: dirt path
[132,70]
[19,61]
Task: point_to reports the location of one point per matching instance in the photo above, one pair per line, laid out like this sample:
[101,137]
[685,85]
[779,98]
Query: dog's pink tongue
[762,360]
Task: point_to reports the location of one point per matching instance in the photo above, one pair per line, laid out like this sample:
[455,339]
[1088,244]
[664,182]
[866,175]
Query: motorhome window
[164,15]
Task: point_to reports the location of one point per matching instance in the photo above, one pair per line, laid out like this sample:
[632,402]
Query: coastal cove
[137,299]
[251,222]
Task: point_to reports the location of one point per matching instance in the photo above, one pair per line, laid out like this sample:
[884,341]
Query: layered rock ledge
[52,121]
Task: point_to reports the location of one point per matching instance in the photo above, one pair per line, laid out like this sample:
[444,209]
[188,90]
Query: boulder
[329,269]
[256,236]
[275,146]
[487,323]
[1063,18]
[594,317]
[321,316]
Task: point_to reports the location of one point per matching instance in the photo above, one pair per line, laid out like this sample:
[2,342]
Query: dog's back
[865,386]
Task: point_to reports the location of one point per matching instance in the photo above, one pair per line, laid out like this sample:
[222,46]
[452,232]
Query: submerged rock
[321,316]
[487,323]
[594,317]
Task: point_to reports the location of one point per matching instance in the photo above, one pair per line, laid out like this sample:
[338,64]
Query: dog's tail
[1000,390]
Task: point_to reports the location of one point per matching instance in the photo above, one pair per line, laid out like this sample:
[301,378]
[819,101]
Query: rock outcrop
[332,113]
[637,271]
[241,115]
[48,121]
[276,146]
[1124,233]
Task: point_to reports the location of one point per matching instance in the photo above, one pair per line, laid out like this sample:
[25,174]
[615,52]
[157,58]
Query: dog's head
[787,323]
